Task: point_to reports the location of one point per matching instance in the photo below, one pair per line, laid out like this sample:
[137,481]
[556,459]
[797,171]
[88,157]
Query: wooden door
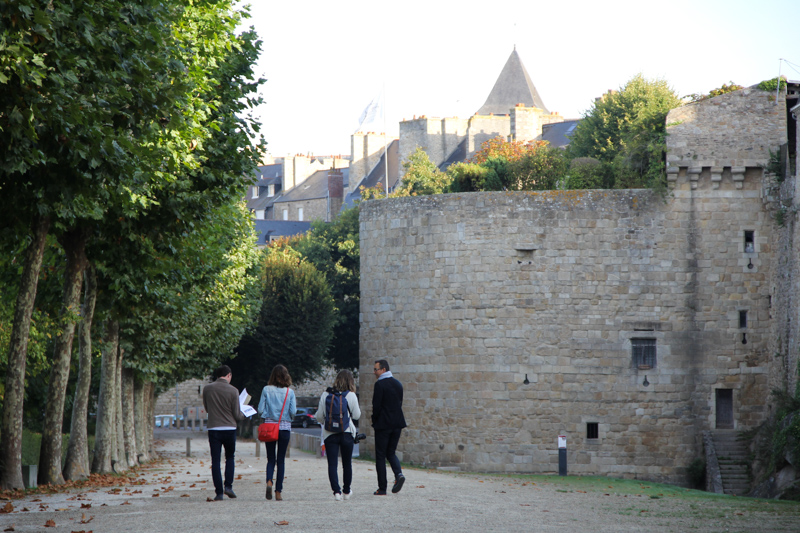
[724,408]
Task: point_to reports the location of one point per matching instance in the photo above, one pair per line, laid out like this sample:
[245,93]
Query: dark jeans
[217,438]
[333,444]
[282,443]
[385,446]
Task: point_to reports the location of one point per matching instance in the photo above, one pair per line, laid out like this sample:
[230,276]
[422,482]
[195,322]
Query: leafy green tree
[107,110]
[469,177]
[538,169]
[295,323]
[421,176]
[589,173]
[333,249]
[627,129]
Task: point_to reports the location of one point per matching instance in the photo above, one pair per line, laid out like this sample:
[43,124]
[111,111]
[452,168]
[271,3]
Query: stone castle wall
[469,295]
[188,396]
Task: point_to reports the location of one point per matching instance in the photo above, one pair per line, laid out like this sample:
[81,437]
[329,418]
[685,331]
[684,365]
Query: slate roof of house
[513,86]
[279,228]
[558,134]
[458,155]
[376,175]
[267,175]
[314,187]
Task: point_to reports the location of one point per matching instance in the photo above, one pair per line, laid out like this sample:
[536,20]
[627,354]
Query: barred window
[644,353]
[592,430]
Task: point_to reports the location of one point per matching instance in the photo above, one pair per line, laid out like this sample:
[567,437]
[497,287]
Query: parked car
[165,421]
[305,417]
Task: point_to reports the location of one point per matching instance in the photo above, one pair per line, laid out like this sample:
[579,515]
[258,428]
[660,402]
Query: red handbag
[268,431]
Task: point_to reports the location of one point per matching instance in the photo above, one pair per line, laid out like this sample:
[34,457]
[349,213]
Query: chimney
[335,192]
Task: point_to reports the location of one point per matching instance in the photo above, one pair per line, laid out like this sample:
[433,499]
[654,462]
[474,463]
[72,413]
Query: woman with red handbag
[277,407]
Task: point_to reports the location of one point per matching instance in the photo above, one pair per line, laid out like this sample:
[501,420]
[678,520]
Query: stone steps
[733,457]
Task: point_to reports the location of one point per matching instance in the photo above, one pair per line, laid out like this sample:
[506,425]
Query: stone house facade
[627,321]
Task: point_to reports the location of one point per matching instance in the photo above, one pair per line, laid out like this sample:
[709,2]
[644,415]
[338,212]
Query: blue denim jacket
[271,401]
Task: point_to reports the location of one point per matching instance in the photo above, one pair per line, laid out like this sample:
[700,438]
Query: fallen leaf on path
[420,486]
[281,523]
[10,528]
[50,523]
[84,520]
[193,485]
[184,495]
[25,510]
[210,499]
[155,495]
[7,508]
[239,476]
[61,509]
[86,506]
[126,502]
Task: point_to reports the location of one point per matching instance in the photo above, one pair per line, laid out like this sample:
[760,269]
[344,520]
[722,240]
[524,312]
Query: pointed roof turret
[512,87]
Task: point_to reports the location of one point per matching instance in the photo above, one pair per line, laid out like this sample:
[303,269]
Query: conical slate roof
[512,87]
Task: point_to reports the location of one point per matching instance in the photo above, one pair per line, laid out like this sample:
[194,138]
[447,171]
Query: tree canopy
[294,326]
[626,129]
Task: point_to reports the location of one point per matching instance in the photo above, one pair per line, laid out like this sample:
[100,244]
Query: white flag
[372,117]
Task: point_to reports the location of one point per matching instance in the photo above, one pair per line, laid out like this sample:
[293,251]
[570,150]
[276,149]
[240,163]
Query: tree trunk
[11,443]
[128,421]
[121,461]
[74,243]
[139,414]
[105,441]
[76,465]
[150,394]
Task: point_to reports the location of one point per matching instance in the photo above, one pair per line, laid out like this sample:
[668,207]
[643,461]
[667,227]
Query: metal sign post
[562,455]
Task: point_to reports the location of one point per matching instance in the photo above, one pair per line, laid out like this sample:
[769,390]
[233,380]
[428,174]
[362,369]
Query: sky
[325,61]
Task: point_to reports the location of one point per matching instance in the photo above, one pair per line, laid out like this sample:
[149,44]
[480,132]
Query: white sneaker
[347,495]
[337,496]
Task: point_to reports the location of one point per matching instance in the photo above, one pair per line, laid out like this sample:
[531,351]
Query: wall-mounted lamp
[750,264]
[526,382]
[744,338]
[645,382]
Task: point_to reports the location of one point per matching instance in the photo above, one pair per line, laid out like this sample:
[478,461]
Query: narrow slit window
[749,246]
[592,430]
[742,319]
[644,353]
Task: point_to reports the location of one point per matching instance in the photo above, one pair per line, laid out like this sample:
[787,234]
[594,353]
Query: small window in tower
[644,353]
[749,246]
[592,430]
[742,319]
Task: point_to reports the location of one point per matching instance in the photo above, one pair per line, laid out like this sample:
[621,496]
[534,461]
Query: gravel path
[176,491]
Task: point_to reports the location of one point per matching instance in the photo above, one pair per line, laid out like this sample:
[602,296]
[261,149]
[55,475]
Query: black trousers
[218,439]
[385,447]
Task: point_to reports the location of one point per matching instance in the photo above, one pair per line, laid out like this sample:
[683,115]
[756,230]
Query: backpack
[337,413]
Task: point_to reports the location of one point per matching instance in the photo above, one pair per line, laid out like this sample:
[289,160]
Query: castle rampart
[470,295]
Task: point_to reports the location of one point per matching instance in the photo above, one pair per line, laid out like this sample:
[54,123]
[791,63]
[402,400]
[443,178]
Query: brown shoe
[269,490]
[278,496]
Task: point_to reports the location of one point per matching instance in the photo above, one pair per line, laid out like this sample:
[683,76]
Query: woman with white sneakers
[340,439]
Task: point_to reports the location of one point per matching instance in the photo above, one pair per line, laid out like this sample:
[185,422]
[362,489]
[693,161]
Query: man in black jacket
[388,421]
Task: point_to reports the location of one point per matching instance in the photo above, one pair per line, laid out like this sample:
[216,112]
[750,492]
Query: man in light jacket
[221,401]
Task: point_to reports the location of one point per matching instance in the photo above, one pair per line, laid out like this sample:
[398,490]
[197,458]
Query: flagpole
[385,151]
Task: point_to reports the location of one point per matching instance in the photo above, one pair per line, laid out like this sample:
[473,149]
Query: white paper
[243,399]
